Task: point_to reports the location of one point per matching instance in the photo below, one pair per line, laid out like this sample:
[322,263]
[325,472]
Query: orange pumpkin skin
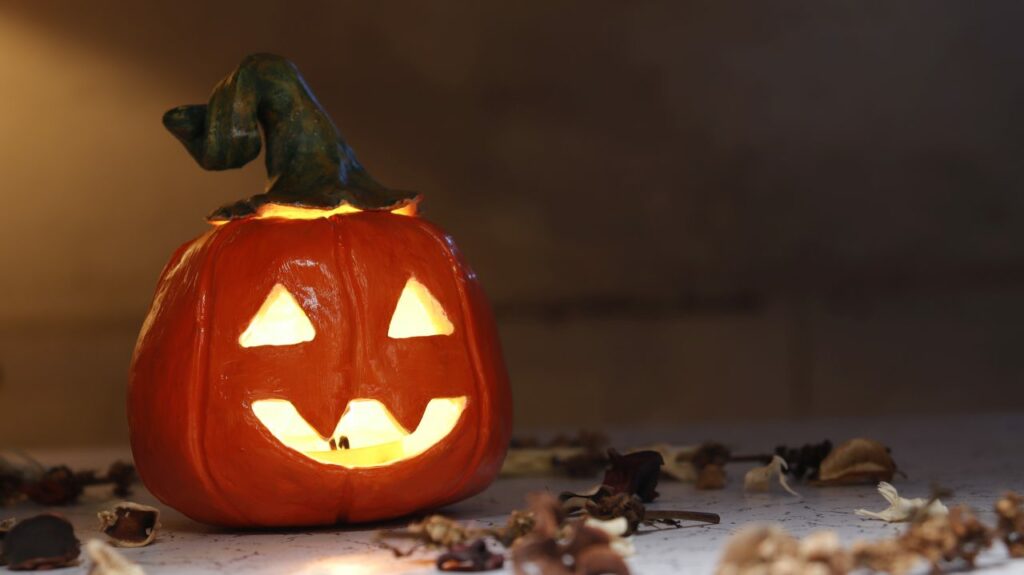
[196,442]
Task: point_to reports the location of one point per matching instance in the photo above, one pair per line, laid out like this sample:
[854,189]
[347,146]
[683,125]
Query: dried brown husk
[107,561]
[130,524]
[45,541]
[1010,527]
[857,461]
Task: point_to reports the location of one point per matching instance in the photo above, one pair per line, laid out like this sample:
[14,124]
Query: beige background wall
[680,210]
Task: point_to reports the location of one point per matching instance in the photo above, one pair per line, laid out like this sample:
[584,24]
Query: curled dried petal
[902,509]
[634,473]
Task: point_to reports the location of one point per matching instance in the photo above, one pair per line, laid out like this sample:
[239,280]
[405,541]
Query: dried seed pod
[130,524]
[857,461]
[107,561]
[45,541]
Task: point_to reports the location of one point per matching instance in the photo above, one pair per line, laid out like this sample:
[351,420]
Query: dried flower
[902,509]
[759,478]
[130,524]
[473,556]
[45,541]
[107,561]
[857,461]
[1010,528]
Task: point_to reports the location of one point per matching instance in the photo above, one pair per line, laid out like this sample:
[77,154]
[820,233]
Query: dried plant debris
[6,526]
[130,524]
[634,473]
[901,509]
[1010,527]
[857,461]
[470,557]
[760,478]
[579,456]
[107,561]
[957,535]
[45,541]
[767,549]
[59,485]
[555,547]
[804,462]
[432,531]
[711,477]
[678,461]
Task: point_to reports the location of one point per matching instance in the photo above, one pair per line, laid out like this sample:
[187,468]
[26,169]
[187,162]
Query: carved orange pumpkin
[322,355]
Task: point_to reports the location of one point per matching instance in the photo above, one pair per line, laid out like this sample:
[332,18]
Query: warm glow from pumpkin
[367,435]
[279,321]
[418,314]
[297,213]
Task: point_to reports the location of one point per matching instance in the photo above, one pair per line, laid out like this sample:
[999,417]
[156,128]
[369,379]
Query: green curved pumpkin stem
[308,162]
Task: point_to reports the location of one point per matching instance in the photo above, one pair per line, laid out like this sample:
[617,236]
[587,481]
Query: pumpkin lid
[309,165]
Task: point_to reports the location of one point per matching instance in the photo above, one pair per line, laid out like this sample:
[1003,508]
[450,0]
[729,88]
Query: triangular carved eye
[418,314]
[279,321]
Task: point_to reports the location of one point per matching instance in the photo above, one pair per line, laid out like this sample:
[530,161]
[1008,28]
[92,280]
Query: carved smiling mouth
[367,435]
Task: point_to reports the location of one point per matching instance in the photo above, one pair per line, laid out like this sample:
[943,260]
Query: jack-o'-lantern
[321,354]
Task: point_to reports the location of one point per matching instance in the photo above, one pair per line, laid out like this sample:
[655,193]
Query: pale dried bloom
[902,509]
[759,478]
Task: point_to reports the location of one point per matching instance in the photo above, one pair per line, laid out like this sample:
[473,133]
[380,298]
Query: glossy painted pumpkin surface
[196,441]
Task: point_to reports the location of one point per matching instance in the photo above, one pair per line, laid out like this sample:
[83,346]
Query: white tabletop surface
[977,456]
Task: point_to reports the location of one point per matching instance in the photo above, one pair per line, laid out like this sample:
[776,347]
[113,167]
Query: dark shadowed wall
[681,210]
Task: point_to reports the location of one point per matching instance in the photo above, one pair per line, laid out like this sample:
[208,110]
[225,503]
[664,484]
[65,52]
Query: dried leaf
[107,561]
[804,461]
[471,557]
[45,541]
[759,478]
[857,461]
[901,509]
[635,473]
[130,524]
[1010,511]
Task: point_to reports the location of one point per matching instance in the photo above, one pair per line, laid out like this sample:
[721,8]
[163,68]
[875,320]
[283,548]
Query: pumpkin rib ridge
[338,233]
[470,484]
[216,249]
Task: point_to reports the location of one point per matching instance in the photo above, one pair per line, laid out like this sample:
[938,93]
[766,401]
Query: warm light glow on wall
[418,314]
[279,321]
[367,435]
